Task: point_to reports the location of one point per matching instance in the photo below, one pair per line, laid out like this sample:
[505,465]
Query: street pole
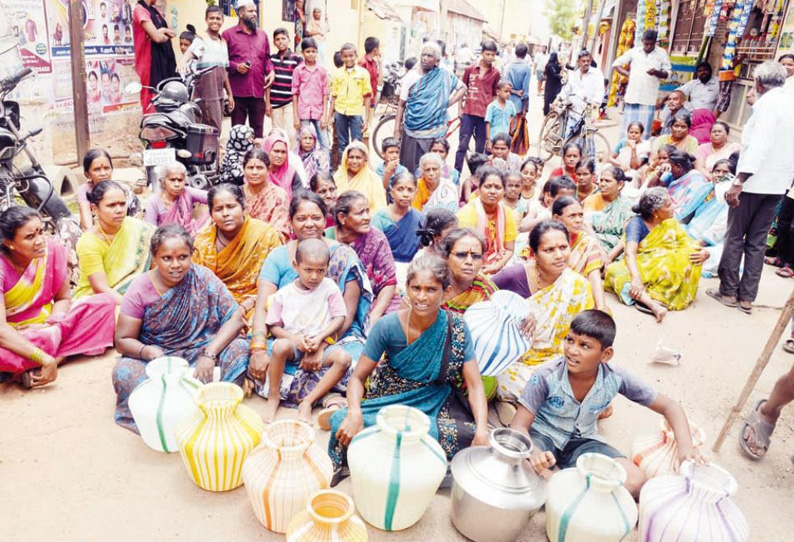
[601,6]
[80,103]
[502,21]
[588,12]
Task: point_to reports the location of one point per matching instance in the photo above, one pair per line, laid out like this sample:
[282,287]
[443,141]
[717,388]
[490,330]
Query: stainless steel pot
[495,491]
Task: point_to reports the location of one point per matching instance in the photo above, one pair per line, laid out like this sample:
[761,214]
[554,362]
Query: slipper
[763,431]
[744,309]
[786,272]
[714,293]
[331,406]
[788,346]
[642,307]
[774,261]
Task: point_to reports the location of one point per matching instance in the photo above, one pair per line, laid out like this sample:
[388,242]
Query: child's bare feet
[270,410]
[305,411]
[659,312]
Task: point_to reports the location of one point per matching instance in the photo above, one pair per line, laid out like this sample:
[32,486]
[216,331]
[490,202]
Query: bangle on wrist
[37,356]
[207,354]
[140,352]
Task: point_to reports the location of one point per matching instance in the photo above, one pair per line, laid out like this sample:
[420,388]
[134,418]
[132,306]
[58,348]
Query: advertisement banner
[28,24]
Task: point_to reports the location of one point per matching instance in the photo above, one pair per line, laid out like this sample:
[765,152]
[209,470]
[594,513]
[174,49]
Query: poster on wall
[786,44]
[27,22]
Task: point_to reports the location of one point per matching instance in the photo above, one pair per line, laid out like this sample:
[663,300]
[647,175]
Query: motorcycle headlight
[157,133]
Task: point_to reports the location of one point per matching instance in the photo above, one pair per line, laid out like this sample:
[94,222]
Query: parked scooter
[172,133]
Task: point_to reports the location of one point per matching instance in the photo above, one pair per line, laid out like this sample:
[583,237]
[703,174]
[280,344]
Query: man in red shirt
[370,62]
[480,80]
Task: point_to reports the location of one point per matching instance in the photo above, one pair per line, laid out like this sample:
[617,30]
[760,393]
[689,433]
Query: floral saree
[480,290]
[608,224]
[585,254]
[271,205]
[688,193]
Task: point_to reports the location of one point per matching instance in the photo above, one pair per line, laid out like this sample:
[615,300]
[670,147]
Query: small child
[186,38]
[531,170]
[303,317]
[440,146]
[350,93]
[391,166]
[512,195]
[562,401]
[540,210]
[502,158]
[500,117]
[571,154]
[310,93]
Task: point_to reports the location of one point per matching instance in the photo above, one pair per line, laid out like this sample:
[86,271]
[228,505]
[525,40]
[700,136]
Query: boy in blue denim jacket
[562,401]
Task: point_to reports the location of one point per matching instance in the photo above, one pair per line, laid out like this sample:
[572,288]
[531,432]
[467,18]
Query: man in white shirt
[703,90]
[541,59]
[585,87]
[764,173]
[649,65]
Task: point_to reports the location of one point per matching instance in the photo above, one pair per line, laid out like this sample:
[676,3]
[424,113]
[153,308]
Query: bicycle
[385,128]
[552,135]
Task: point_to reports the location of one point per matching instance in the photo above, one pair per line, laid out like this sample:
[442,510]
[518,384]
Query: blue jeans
[566,458]
[469,125]
[348,128]
[322,135]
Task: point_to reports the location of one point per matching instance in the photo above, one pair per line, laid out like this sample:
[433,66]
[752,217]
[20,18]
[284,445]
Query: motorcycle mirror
[133,88]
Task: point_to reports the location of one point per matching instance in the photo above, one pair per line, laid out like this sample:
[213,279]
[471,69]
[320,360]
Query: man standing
[278,98]
[480,80]
[541,59]
[703,90]
[649,65]
[250,68]
[427,92]
[519,73]
[585,87]
[764,173]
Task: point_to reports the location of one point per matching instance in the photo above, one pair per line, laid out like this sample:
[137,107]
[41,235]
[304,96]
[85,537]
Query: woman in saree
[555,295]
[661,270]
[710,223]
[585,257]
[39,325]
[175,202]
[607,224]
[678,138]
[488,215]
[631,152]
[438,224]
[399,221]
[463,250]
[354,173]
[315,159]
[98,167]
[233,245]
[428,351]
[433,191]
[441,147]
[717,148]
[115,250]
[353,228]
[264,200]
[176,309]
[322,183]
[687,187]
[307,214]
[241,140]
[281,173]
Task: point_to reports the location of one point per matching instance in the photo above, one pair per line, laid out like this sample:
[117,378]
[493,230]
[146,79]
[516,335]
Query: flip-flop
[774,261]
[762,430]
[746,310]
[786,272]
[715,294]
[324,417]
[642,307]
[788,346]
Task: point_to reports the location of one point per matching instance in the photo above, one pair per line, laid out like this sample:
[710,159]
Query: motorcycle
[172,132]
[30,183]
[392,76]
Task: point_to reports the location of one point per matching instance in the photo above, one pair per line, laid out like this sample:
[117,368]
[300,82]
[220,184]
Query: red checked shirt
[480,90]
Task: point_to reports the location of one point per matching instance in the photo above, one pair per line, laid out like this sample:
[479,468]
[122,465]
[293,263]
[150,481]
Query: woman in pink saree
[282,173]
[175,202]
[39,325]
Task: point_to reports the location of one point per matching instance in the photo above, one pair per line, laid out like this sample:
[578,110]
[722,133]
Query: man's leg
[466,130]
[342,128]
[728,270]
[785,235]
[240,111]
[755,244]
[356,128]
[256,116]
[768,413]
[479,135]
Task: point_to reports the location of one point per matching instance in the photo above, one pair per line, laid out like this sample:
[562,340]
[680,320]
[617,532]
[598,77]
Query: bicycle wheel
[384,129]
[599,147]
[550,139]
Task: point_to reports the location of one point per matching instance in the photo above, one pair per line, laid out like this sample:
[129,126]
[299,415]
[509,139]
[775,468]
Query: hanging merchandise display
[396,468]
[284,471]
[640,27]
[694,506]
[657,454]
[714,18]
[588,503]
[495,482]
[215,441]
[328,517]
[163,400]
[617,87]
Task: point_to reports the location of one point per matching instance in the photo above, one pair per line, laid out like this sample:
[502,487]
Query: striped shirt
[281,90]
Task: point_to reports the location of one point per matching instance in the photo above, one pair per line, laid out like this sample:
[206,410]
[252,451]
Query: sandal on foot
[715,294]
[788,346]
[762,430]
[774,261]
[786,272]
[747,309]
[329,407]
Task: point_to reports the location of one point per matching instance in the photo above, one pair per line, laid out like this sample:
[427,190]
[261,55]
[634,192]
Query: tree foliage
[562,15]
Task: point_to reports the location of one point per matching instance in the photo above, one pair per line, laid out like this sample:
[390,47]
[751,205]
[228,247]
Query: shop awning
[462,7]
[383,10]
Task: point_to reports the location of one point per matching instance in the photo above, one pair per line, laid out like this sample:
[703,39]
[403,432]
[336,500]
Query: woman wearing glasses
[464,249]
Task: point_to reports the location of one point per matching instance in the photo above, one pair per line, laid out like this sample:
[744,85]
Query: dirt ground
[67,472]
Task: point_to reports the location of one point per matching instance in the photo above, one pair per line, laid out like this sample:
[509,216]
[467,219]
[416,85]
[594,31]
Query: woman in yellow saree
[115,249]
[233,245]
[355,173]
[555,295]
[662,266]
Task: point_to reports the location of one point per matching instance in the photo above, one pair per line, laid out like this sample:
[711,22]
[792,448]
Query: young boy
[335,152]
[500,117]
[303,317]
[502,159]
[371,63]
[554,189]
[480,80]
[562,401]
[310,93]
[391,166]
[350,90]
[278,97]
